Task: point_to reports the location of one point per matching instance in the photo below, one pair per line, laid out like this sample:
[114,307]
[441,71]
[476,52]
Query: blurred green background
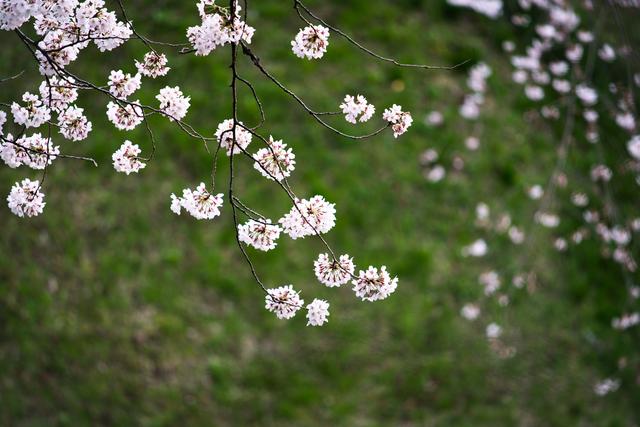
[113,311]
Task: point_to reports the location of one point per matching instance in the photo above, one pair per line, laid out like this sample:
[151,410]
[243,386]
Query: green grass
[113,311]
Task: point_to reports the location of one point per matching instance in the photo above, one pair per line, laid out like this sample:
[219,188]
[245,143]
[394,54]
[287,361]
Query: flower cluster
[218,28]
[261,235]
[57,93]
[125,116]
[276,161]
[199,203]
[433,171]
[122,85]
[374,284]
[400,120]
[311,42]
[33,114]
[283,301]
[332,272]
[309,217]
[225,136]
[126,159]
[153,65]
[357,109]
[490,8]
[25,198]
[73,124]
[173,102]
[317,312]
[34,151]
[477,82]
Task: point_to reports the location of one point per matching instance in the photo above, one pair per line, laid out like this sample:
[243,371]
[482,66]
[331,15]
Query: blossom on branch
[173,102]
[73,124]
[373,284]
[276,161]
[317,312]
[261,235]
[357,109]
[153,65]
[333,273]
[122,85]
[311,42]
[34,114]
[400,120]
[126,159]
[308,217]
[283,301]
[125,116]
[199,203]
[25,198]
[225,136]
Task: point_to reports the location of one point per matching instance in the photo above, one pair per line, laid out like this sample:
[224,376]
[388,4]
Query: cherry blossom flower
[472,143]
[218,29]
[574,53]
[173,102]
[357,109]
[516,235]
[536,192]
[561,85]
[400,120]
[12,154]
[126,116]
[58,93]
[317,312]
[261,235]
[633,146]
[534,93]
[308,217]
[601,173]
[333,273]
[434,118]
[606,386]
[587,94]
[626,121]
[276,161]
[25,198]
[73,124]
[311,42]
[478,248]
[606,53]
[435,174]
[153,65]
[493,331]
[470,108]
[478,75]
[199,203]
[547,219]
[373,284]
[38,153]
[126,158]
[34,114]
[283,301]
[491,282]
[626,321]
[122,85]
[490,8]
[470,311]
[559,68]
[590,116]
[225,132]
